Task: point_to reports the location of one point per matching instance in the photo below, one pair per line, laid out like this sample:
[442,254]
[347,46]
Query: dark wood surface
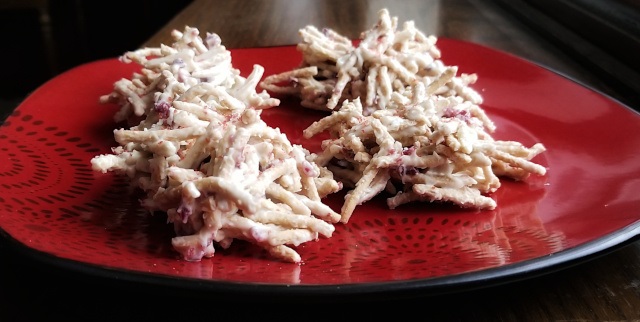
[603,288]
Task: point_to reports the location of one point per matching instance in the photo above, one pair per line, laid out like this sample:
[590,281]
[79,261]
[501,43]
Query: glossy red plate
[53,206]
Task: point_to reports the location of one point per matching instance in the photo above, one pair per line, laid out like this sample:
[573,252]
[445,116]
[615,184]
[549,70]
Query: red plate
[55,207]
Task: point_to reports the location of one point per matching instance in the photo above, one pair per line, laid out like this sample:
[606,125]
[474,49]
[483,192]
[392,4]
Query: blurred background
[42,38]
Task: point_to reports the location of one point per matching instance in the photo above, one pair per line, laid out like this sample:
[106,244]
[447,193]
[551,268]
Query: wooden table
[605,288]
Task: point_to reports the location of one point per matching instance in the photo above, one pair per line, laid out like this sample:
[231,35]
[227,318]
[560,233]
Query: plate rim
[432,286]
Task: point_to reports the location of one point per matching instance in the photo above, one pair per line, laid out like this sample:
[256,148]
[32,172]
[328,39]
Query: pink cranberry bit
[162,107]
[462,115]
[185,210]
[409,150]
[406,170]
[309,170]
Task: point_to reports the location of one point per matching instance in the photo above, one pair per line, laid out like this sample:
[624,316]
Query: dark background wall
[602,35]
[41,39]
